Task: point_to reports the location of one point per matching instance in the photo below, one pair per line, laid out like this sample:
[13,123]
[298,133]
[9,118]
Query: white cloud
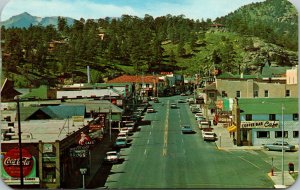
[195,9]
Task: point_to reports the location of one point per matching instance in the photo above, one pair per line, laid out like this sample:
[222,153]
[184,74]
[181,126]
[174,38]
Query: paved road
[160,156]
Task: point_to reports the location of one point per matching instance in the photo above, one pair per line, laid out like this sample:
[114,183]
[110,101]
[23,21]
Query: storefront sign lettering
[259,124]
[11,162]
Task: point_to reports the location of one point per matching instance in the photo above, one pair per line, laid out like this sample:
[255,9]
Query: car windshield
[111,153]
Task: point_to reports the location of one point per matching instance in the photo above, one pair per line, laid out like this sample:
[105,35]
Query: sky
[94,9]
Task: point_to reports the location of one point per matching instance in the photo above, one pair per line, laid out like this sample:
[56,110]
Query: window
[238,94]
[147,85]
[287,93]
[248,117]
[263,134]
[295,134]
[295,117]
[224,94]
[278,134]
[272,117]
[211,95]
[255,93]
[266,93]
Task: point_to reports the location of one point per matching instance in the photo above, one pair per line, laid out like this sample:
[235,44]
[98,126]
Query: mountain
[24,20]
[276,21]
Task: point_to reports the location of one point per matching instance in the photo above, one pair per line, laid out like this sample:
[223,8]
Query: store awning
[232,128]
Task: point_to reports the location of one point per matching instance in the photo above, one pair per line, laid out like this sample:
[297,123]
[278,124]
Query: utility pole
[20,142]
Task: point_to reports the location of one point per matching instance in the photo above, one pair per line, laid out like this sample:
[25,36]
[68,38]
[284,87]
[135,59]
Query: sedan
[187,129]
[278,146]
[173,106]
[112,157]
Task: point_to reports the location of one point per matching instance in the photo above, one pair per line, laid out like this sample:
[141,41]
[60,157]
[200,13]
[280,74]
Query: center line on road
[166,132]
[145,152]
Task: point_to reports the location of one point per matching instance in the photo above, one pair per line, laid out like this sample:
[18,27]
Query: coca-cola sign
[11,162]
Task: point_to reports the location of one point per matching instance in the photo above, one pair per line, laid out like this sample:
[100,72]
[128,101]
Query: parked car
[130,125]
[123,135]
[181,101]
[198,115]
[120,142]
[208,136]
[204,124]
[200,118]
[187,129]
[112,157]
[150,110]
[278,146]
[124,130]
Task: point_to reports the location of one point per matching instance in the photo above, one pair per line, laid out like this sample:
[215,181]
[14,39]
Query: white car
[112,157]
[208,136]
[123,135]
[124,130]
[150,110]
[130,126]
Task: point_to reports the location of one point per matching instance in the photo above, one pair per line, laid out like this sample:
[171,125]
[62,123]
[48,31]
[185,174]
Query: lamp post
[20,141]
[282,147]
[110,113]
[282,143]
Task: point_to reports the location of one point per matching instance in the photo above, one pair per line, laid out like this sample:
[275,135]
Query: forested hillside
[112,46]
[276,21]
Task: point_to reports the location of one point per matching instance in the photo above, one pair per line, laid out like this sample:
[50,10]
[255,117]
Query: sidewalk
[225,142]
[277,179]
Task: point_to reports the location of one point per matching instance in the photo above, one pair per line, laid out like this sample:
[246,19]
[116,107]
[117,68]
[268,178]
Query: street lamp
[282,142]
[282,148]
[110,112]
[20,141]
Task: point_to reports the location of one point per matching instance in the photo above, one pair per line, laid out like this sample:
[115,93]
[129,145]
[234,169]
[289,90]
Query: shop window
[278,134]
[238,94]
[147,85]
[255,93]
[263,134]
[248,117]
[287,93]
[266,93]
[224,94]
[272,117]
[295,134]
[295,117]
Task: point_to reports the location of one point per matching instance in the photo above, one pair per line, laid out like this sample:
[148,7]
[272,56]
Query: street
[160,156]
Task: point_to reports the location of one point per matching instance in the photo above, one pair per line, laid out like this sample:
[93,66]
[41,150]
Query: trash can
[291,167]
[234,141]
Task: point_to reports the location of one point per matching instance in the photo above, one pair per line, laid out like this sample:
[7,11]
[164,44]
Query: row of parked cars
[203,124]
[129,126]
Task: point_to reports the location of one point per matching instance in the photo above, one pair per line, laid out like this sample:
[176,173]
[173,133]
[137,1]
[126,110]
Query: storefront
[10,165]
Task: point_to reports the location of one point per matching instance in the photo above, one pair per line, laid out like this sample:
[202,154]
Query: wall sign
[11,162]
[259,124]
